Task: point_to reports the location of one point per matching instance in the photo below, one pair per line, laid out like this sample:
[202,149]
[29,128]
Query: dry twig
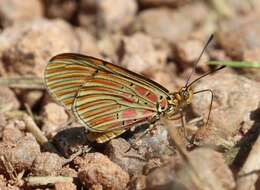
[47,180]
[34,129]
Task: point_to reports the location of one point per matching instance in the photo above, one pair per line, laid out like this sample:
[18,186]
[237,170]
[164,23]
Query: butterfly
[108,99]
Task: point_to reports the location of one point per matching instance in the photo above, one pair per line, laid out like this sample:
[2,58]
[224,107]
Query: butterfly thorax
[178,100]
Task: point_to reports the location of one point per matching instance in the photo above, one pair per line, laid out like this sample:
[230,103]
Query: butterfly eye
[185,94]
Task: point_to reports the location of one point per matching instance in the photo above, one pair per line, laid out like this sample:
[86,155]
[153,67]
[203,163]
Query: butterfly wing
[104,97]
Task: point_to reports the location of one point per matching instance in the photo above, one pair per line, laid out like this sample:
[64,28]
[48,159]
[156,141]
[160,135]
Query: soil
[42,146]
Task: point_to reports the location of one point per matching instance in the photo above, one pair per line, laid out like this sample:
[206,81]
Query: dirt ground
[42,146]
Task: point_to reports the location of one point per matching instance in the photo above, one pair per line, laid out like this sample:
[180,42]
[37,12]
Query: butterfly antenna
[198,59]
[208,73]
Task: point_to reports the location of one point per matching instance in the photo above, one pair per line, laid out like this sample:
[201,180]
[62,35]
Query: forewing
[107,102]
[103,96]
[63,78]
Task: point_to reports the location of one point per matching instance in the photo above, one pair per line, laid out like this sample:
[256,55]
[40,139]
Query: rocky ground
[161,39]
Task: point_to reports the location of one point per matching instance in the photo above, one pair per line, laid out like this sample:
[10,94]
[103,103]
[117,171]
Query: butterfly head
[182,97]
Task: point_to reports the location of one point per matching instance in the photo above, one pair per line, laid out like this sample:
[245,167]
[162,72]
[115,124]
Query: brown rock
[239,38]
[164,177]
[60,8]
[3,123]
[212,169]
[168,78]
[159,3]
[69,172]
[21,56]
[31,97]
[130,161]
[11,133]
[218,55]
[13,11]
[237,42]
[209,166]
[235,97]
[87,15]
[243,7]
[140,55]
[4,185]
[65,186]
[251,164]
[8,100]
[115,15]
[87,43]
[188,51]
[23,153]
[138,182]
[152,164]
[153,144]
[97,169]
[170,25]
[54,116]
[47,164]
[5,147]
[110,45]
[2,182]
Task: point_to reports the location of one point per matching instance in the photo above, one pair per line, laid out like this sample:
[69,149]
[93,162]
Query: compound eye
[185,94]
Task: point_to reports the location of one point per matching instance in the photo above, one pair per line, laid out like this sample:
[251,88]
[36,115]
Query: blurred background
[160,39]
[142,35]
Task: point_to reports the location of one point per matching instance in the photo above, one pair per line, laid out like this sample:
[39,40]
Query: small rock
[130,161]
[242,44]
[212,169]
[140,55]
[234,99]
[23,153]
[5,147]
[70,140]
[170,25]
[11,133]
[188,52]
[209,166]
[31,97]
[109,46]
[60,8]
[159,3]
[97,169]
[88,19]
[87,42]
[65,186]
[237,42]
[47,164]
[13,11]
[115,15]
[4,185]
[168,78]
[164,177]
[21,56]
[2,182]
[153,144]
[138,182]
[218,55]
[8,100]
[152,164]
[67,171]
[54,116]
[244,7]
[3,123]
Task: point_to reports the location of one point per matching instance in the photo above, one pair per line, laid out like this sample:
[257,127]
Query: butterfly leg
[184,126]
[148,130]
